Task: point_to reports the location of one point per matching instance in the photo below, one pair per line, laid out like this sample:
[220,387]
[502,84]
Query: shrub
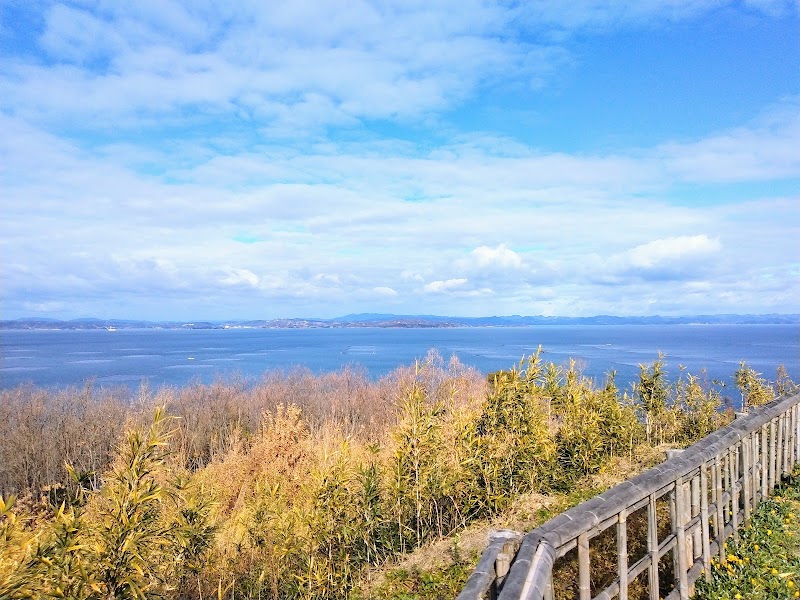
[132,539]
[247,496]
[514,446]
[593,425]
[755,390]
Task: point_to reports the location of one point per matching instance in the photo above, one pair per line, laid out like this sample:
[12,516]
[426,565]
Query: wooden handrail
[711,489]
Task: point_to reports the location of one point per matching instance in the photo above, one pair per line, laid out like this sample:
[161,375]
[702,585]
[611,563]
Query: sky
[315,158]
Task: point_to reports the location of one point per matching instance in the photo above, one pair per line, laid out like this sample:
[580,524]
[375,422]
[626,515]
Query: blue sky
[188,160]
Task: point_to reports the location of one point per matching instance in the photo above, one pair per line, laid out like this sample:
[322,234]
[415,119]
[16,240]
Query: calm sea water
[177,357]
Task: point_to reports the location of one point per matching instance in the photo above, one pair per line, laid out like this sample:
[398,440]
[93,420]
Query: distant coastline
[396,321]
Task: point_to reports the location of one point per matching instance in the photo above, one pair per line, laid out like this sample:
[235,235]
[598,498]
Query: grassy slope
[765,562]
[440,569]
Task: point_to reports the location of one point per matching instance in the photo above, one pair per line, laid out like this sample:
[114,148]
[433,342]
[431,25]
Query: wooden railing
[687,506]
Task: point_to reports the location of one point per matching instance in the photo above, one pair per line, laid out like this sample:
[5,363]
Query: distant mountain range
[398,321]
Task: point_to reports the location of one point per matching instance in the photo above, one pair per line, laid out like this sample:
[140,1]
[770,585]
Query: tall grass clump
[149,524]
[754,389]
[682,411]
[416,476]
[513,441]
[591,425]
[141,535]
[299,486]
[258,489]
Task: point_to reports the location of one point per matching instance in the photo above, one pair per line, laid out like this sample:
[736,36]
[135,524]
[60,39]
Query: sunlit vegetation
[299,486]
[765,561]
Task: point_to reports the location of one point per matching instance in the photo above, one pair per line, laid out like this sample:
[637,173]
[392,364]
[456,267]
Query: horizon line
[402,316]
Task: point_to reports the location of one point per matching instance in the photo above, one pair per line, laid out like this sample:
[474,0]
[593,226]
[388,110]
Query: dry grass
[311,485]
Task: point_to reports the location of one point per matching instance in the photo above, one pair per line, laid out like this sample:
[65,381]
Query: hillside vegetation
[299,486]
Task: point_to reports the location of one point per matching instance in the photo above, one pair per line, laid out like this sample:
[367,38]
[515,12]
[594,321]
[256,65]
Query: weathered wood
[695,512]
[549,593]
[771,456]
[652,546]
[764,459]
[787,446]
[539,576]
[502,565]
[584,574]
[755,476]
[734,467]
[726,486]
[732,480]
[747,477]
[793,444]
[673,522]
[486,577]
[796,445]
[719,525]
[622,554]
[705,527]
[682,565]
[787,469]
[779,450]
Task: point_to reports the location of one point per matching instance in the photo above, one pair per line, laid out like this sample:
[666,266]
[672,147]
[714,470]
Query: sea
[176,357]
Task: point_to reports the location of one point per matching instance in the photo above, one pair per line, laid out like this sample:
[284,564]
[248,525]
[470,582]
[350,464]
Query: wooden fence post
[794,437]
[755,477]
[796,429]
[679,525]
[719,520]
[622,554]
[771,456]
[779,457]
[747,476]
[705,528]
[694,503]
[720,481]
[764,462]
[732,479]
[584,566]
[652,546]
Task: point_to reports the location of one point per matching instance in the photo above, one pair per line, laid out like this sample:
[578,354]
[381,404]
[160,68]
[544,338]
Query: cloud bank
[195,160]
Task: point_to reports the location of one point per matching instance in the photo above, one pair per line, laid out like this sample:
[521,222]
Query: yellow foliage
[285,501]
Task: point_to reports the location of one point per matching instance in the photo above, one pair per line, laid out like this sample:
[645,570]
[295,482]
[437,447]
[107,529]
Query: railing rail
[710,489]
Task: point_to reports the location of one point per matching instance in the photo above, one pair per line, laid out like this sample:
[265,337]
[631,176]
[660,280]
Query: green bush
[514,446]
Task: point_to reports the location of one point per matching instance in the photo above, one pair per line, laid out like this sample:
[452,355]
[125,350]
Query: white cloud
[153,136]
[327,279]
[765,150]
[668,250]
[500,256]
[411,276]
[484,291]
[384,291]
[288,70]
[291,70]
[442,286]
[356,221]
[73,35]
[240,277]
[608,14]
